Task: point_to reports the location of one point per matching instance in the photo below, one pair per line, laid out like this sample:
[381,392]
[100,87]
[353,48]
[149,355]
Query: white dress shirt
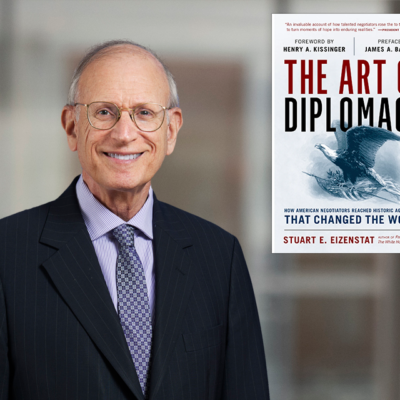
[100,222]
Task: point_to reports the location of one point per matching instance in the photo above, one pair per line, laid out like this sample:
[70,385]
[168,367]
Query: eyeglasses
[147,117]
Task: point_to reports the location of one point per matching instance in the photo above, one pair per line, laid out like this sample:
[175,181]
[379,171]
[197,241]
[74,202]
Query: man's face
[127,78]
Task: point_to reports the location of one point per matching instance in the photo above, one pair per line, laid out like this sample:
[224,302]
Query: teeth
[124,157]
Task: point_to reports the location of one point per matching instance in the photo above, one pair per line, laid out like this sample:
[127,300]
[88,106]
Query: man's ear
[68,122]
[175,123]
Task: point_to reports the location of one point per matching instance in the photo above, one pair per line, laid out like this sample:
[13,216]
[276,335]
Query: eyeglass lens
[148,117]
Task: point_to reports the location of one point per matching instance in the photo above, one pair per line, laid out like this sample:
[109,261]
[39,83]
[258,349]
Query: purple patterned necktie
[133,302]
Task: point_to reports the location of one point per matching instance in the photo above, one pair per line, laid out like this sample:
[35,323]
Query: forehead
[125,75]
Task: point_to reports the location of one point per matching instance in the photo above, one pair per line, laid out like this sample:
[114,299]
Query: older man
[108,293]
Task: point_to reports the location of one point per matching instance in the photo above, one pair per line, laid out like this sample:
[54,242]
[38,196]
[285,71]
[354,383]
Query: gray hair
[98,50]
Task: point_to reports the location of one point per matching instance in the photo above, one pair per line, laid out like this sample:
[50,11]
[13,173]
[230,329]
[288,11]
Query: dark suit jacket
[60,336]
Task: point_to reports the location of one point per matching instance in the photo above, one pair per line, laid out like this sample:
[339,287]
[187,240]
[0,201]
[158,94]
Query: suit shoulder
[194,223]
[35,216]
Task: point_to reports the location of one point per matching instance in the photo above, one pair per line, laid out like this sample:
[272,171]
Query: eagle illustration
[356,151]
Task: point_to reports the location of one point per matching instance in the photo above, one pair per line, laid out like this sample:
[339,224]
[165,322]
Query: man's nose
[125,129]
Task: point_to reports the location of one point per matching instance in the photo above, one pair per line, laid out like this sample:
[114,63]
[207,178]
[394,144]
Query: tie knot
[125,235]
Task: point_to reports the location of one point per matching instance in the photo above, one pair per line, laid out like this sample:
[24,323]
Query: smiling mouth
[124,156]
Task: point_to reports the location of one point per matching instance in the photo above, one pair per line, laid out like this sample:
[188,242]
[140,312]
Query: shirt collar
[99,219]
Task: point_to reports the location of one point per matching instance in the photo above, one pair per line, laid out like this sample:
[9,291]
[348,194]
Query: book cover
[336,133]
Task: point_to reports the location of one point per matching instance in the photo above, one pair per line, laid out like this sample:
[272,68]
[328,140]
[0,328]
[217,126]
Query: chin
[125,184]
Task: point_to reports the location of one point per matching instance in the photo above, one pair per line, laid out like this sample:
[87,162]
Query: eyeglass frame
[120,109]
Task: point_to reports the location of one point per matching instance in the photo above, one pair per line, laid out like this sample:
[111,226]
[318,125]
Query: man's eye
[144,113]
[103,112]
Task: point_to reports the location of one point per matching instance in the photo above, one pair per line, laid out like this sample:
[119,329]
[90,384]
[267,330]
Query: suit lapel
[75,271]
[174,281]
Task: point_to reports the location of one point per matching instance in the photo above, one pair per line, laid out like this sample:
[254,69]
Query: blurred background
[330,322]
